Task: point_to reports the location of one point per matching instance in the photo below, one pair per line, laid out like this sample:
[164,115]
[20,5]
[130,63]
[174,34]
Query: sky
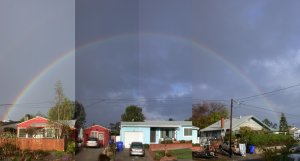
[160,55]
[33,35]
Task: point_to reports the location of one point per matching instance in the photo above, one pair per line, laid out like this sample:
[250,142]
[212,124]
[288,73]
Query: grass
[182,153]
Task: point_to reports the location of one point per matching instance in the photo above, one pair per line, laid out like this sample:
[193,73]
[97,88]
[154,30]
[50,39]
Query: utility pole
[230,150]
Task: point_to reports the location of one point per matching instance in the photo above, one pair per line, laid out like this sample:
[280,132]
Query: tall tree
[269,123]
[206,113]
[283,125]
[63,108]
[115,128]
[133,113]
[79,114]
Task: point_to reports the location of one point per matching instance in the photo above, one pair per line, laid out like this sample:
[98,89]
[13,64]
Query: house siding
[99,129]
[180,134]
[194,136]
[252,124]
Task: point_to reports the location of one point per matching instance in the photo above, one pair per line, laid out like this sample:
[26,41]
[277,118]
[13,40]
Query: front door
[101,138]
[153,135]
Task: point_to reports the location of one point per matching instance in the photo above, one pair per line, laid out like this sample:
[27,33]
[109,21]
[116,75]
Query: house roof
[235,123]
[158,123]
[44,123]
[98,126]
[11,124]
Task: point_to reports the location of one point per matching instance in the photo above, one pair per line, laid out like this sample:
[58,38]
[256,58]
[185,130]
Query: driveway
[124,156]
[88,154]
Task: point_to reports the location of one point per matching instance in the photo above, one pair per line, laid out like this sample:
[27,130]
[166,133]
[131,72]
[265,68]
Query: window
[22,133]
[187,132]
[94,134]
[49,133]
[101,136]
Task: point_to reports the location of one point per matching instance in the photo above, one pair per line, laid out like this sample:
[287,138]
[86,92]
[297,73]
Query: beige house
[221,127]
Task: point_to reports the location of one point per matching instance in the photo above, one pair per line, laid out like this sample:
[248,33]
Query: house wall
[180,134]
[145,130]
[250,123]
[99,129]
[194,136]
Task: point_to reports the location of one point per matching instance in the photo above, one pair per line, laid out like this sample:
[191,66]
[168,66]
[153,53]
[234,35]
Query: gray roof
[235,123]
[158,123]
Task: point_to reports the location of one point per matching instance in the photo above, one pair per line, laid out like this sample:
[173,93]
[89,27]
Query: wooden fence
[35,143]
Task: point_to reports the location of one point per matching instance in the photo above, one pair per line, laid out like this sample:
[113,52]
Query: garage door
[133,136]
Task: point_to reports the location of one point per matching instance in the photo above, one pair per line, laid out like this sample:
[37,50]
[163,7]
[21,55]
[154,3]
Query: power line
[262,108]
[267,93]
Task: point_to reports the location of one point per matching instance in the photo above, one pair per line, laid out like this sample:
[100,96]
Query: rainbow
[100,41]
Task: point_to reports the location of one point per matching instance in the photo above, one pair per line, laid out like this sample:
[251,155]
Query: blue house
[153,132]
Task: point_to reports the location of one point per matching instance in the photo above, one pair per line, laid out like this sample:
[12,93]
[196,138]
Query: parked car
[92,142]
[294,157]
[295,149]
[137,148]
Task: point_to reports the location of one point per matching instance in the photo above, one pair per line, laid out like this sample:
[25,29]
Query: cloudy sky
[160,55]
[33,35]
[166,55]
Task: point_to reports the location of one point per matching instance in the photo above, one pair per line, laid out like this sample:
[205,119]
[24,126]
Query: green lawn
[182,153]
[179,154]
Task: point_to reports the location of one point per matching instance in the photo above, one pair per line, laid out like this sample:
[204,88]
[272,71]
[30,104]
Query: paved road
[124,156]
[88,154]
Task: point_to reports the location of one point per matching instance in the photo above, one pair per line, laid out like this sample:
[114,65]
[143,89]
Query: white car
[92,142]
[294,157]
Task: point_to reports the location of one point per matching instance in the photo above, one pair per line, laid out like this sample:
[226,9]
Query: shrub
[196,144]
[71,147]
[263,140]
[182,141]
[39,154]
[188,141]
[158,155]
[167,142]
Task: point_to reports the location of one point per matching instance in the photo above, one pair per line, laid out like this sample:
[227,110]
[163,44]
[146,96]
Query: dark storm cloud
[244,48]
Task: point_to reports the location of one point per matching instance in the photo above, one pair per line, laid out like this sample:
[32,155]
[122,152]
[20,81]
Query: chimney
[27,117]
[222,123]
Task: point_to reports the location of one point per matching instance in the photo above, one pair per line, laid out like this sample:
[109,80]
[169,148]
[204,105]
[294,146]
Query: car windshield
[137,145]
[92,139]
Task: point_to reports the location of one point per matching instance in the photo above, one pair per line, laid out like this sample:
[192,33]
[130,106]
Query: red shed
[97,131]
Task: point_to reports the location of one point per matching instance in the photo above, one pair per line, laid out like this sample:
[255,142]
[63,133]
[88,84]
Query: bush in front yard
[159,154]
[167,142]
[71,147]
[196,144]
[263,140]
[182,141]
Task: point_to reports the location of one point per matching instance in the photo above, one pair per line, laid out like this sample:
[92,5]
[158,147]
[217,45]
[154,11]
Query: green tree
[133,113]
[283,125]
[207,113]
[79,114]
[63,108]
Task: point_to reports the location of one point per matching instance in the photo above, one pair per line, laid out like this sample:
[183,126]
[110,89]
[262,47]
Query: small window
[49,133]
[187,132]
[94,134]
[22,133]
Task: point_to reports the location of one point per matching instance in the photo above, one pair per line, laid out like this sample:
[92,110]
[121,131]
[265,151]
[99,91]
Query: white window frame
[19,132]
[94,135]
[102,135]
[46,133]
